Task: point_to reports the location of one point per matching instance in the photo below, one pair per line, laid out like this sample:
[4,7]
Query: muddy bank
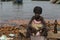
[27,21]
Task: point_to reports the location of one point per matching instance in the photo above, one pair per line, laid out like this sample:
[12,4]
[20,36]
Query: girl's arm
[31,20]
[29,24]
[44,29]
[43,22]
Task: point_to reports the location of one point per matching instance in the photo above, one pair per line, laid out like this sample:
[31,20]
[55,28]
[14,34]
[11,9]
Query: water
[9,11]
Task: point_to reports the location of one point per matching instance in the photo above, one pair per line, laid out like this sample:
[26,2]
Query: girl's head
[37,10]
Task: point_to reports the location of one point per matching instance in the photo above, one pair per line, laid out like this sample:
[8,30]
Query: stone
[53,1]
[58,2]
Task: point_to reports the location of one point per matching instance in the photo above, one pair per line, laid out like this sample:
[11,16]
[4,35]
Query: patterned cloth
[38,38]
[36,24]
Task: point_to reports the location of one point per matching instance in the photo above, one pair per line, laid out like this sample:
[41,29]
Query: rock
[53,1]
[58,2]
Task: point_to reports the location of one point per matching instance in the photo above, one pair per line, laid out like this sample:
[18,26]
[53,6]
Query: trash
[12,35]
[3,37]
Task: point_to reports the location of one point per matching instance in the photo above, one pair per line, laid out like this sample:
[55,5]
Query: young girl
[37,23]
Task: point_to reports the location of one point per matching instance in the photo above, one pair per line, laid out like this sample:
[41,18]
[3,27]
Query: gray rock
[58,2]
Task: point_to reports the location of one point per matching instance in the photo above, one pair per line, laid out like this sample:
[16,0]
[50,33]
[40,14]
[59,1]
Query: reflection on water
[8,10]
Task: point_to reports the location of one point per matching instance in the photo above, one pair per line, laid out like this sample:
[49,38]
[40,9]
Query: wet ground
[9,11]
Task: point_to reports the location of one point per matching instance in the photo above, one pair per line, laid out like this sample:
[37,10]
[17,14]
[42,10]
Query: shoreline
[25,21]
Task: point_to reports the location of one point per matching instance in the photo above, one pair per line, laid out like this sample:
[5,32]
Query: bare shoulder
[33,17]
[41,18]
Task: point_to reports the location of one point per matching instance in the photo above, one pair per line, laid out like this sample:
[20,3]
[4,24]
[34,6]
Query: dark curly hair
[37,9]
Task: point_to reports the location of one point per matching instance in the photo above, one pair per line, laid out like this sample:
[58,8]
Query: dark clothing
[44,32]
[32,30]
